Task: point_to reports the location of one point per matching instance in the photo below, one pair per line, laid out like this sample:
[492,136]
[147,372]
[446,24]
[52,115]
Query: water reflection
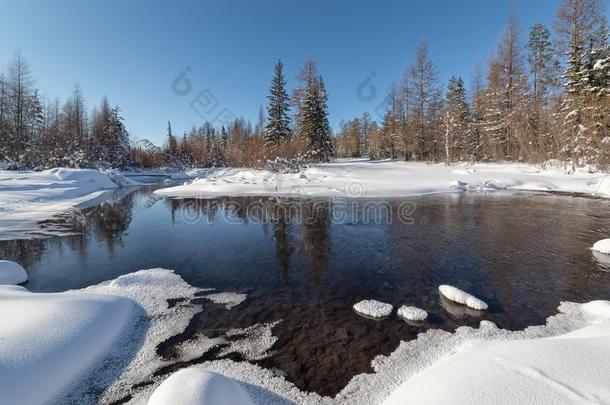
[308,261]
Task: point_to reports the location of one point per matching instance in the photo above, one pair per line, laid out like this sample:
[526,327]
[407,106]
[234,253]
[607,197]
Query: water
[307,262]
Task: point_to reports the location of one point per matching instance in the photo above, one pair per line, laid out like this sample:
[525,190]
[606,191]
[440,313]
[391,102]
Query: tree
[576,26]
[277,128]
[172,143]
[507,89]
[315,126]
[425,94]
[456,119]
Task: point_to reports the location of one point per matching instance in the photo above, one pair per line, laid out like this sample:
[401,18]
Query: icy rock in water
[373,308]
[228,299]
[12,273]
[196,386]
[412,313]
[461,297]
[602,246]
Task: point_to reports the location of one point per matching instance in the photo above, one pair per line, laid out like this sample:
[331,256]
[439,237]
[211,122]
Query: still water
[307,262]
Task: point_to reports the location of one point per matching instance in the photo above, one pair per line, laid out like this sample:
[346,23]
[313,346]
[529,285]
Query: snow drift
[12,273]
[196,386]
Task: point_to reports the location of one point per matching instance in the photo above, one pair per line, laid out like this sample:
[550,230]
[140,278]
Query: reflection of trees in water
[105,222]
[285,216]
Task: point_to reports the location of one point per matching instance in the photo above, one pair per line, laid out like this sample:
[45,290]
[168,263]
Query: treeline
[295,129]
[40,133]
[544,98]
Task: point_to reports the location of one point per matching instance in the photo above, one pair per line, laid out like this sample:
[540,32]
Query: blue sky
[132,51]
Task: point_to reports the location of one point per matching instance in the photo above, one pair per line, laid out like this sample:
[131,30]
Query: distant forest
[542,96]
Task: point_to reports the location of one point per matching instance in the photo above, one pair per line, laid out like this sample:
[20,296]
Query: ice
[196,386]
[373,308]
[602,246]
[412,313]
[461,297]
[12,273]
[228,299]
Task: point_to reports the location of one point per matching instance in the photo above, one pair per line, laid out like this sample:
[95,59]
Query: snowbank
[373,309]
[358,178]
[602,246]
[228,299]
[571,368]
[461,297]
[27,198]
[49,341]
[12,273]
[196,386]
[73,345]
[412,313]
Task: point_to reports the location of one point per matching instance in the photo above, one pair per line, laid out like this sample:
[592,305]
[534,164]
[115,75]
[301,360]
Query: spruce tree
[314,124]
[277,127]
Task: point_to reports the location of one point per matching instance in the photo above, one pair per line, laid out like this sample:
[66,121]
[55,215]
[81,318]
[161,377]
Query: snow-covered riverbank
[70,345]
[29,197]
[375,179]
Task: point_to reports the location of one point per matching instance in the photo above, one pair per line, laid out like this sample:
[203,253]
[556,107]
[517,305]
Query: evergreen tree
[314,123]
[456,122]
[277,128]
[172,142]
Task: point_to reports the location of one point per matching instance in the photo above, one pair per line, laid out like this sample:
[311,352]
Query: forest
[542,96]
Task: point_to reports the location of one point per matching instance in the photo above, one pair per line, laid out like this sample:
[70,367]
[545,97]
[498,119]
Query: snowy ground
[363,178]
[28,197]
[75,344]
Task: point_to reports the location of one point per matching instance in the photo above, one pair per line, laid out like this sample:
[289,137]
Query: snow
[412,313]
[50,340]
[228,299]
[602,246]
[28,197]
[571,368]
[12,273]
[73,345]
[461,297]
[363,178]
[196,386]
[373,308]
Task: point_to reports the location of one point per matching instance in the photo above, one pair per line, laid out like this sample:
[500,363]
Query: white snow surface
[12,273]
[228,299]
[461,297]
[48,341]
[373,308]
[196,386]
[362,178]
[28,197]
[412,313]
[602,246]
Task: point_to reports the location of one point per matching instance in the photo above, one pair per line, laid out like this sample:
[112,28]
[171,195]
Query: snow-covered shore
[70,345]
[29,197]
[375,179]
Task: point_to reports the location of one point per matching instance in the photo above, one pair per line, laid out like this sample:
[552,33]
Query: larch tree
[425,92]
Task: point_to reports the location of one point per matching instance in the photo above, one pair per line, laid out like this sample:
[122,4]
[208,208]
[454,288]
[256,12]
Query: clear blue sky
[131,51]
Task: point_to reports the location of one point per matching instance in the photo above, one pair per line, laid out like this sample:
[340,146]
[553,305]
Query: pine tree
[277,128]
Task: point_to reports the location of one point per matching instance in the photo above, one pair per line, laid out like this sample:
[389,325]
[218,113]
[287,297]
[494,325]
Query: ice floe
[412,313]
